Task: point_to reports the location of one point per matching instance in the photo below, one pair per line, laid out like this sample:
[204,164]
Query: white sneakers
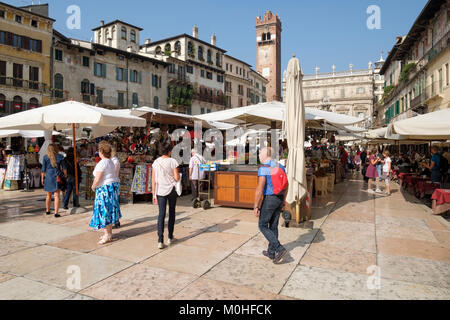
[378,191]
[169,242]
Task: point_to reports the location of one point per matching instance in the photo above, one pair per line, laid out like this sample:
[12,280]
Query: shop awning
[430,126]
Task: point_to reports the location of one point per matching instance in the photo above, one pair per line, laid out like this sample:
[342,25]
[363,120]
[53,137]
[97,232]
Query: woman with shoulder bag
[53,174]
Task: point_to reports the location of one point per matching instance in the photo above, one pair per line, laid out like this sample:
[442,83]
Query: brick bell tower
[268,53]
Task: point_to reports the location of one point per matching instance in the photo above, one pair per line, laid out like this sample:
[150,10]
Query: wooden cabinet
[235,189]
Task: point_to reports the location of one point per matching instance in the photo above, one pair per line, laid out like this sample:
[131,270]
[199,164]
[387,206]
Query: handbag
[179,187]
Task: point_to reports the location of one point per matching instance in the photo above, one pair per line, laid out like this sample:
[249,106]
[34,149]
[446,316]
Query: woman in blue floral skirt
[106,207]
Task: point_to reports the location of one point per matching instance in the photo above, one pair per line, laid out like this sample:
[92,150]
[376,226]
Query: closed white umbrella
[70,114]
[295,133]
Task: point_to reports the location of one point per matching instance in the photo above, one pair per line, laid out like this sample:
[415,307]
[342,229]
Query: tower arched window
[200,53]
[269,36]
[178,47]
[209,59]
[59,85]
[113,33]
[123,33]
[106,35]
[158,50]
[263,37]
[133,36]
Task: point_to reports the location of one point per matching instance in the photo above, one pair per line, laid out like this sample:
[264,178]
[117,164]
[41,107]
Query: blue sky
[320,32]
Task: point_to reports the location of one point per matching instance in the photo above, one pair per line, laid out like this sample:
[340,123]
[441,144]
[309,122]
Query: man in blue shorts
[268,206]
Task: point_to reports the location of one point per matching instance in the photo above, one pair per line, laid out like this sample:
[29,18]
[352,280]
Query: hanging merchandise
[15,167]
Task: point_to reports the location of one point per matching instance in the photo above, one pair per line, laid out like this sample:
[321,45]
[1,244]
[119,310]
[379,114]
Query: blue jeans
[71,189]
[268,222]
[379,167]
[162,204]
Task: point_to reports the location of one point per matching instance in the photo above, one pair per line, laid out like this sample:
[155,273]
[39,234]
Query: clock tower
[268,53]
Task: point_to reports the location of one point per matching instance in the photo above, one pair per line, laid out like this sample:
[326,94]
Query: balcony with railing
[22,83]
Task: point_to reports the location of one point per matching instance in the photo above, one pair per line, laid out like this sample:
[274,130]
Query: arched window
[191,49]
[99,40]
[218,62]
[123,33]
[34,103]
[17,103]
[168,49]
[135,100]
[133,36]
[158,50]
[269,36]
[178,47]
[264,37]
[59,85]
[106,35]
[209,59]
[2,100]
[200,53]
[113,33]
[156,102]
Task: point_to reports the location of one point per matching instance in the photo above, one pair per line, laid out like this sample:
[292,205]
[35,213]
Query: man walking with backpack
[269,200]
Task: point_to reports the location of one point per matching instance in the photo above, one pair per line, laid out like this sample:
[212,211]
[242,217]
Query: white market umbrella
[69,114]
[24,133]
[295,133]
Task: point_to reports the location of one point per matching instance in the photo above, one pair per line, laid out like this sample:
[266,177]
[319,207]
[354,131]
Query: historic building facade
[416,70]
[25,54]
[108,72]
[243,85]
[347,92]
[268,53]
[197,66]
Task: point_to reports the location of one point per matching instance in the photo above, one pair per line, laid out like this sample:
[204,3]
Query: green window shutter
[140,76]
[117,73]
[104,70]
[95,68]
[160,82]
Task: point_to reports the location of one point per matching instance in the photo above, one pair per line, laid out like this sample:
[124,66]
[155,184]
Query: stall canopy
[167,117]
[430,126]
[269,112]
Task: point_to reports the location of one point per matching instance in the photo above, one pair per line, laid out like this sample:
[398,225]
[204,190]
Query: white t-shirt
[387,161]
[164,179]
[109,172]
[117,166]
[194,164]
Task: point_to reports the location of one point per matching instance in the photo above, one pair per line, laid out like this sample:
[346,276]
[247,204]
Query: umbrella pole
[75,159]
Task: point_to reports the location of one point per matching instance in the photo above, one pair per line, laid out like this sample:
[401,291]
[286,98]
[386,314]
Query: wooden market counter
[235,188]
